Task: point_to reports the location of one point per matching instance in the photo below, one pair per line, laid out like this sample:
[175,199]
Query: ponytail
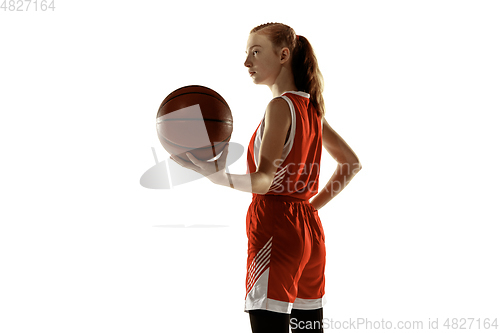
[306,73]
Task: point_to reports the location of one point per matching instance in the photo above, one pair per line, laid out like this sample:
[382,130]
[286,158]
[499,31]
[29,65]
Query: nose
[247,63]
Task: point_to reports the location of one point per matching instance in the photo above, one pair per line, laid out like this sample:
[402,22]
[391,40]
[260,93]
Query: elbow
[351,167]
[263,184]
[263,189]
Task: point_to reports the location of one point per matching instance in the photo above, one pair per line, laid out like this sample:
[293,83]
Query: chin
[257,81]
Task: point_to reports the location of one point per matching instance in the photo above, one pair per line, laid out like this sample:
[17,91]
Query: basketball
[194,119]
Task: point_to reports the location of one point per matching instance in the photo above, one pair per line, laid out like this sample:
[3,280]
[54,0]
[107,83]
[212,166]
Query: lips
[251,73]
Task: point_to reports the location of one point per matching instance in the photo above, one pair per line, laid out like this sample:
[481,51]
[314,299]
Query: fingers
[223,156]
[193,159]
[224,153]
[183,163]
[226,150]
[202,167]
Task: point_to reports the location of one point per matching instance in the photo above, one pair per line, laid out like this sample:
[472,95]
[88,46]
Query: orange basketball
[195,119]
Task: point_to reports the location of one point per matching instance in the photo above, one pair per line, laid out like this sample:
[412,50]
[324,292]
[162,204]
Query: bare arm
[277,121]
[348,166]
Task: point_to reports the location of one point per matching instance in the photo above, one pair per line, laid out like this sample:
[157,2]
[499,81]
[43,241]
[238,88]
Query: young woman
[286,245]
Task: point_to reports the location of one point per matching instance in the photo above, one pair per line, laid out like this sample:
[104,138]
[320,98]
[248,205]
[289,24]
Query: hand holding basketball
[213,170]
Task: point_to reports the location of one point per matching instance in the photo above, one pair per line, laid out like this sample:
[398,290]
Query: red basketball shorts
[286,255]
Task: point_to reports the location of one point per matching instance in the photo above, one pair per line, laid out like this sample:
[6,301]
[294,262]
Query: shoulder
[278,106]
[278,113]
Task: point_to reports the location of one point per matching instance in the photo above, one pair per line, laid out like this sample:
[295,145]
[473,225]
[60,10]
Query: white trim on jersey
[300,93]
[289,143]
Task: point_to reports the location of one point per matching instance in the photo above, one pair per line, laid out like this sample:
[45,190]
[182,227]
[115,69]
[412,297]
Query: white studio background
[412,86]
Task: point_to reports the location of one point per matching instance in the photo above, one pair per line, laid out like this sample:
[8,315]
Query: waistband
[274,197]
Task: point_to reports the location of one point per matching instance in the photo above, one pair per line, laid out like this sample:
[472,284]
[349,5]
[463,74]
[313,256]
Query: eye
[255,52]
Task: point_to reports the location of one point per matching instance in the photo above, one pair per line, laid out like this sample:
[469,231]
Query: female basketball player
[286,245]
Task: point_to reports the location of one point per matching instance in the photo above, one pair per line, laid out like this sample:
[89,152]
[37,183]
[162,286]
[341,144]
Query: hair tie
[297,37]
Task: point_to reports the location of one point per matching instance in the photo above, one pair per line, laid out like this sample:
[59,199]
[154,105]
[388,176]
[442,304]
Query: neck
[284,82]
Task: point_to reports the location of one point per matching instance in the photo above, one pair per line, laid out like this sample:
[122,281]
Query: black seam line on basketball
[198,86]
[204,147]
[195,92]
[216,120]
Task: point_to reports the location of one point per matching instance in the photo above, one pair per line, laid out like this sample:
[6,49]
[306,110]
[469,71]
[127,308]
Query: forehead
[257,39]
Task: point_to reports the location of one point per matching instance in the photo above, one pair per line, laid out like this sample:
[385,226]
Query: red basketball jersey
[298,168]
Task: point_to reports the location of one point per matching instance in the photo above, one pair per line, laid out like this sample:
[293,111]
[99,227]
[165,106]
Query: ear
[284,55]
